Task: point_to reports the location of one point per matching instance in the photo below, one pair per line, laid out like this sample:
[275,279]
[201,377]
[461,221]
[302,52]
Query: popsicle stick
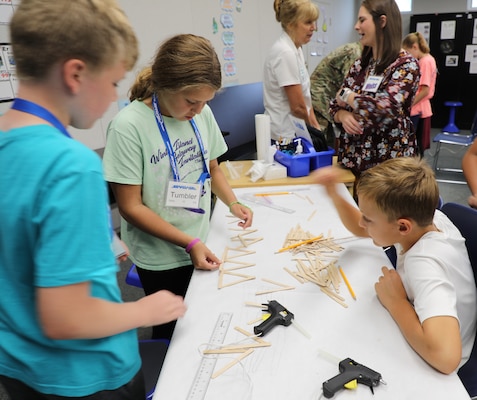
[221,279]
[244,243]
[254,321]
[244,278]
[237,266]
[333,296]
[224,351]
[311,215]
[245,232]
[240,348]
[252,241]
[295,275]
[253,336]
[275,282]
[224,255]
[236,282]
[231,364]
[273,290]
[239,250]
[253,304]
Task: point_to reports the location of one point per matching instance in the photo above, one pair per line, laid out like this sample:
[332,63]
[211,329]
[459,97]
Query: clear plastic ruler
[207,364]
[250,198]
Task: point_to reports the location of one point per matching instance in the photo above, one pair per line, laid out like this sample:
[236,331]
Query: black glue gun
[351,373]
[279,315]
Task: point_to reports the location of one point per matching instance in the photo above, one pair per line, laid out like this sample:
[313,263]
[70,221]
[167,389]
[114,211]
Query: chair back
[473,128]
[465,219]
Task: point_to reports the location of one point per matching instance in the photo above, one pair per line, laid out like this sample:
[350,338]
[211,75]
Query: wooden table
[244,181]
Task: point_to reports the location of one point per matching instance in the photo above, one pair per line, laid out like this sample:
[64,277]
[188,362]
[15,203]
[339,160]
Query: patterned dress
[384,115]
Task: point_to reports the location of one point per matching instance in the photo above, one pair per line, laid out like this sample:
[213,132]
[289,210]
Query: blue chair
[451,126]
[456,139]
[440,203]
[152,353]
[132,278]
[465,219]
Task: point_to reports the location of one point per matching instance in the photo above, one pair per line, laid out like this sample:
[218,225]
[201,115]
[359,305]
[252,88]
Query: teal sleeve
[74,220]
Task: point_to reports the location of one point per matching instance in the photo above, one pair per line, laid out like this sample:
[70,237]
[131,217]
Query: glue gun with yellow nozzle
[279,315]
[351,373]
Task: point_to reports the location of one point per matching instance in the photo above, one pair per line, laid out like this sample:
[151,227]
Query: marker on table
[347,282]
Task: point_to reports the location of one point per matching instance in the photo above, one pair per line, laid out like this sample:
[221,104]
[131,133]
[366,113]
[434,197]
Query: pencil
[292,246]
[272,194]
[347,283]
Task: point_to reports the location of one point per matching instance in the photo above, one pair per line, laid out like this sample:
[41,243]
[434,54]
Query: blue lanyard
[41,112]
[170,151]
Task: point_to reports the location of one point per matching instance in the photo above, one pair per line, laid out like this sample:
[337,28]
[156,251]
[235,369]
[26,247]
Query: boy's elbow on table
[444,347]
[448,363]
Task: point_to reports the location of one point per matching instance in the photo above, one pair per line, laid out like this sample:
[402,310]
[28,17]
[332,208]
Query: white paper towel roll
[262,136]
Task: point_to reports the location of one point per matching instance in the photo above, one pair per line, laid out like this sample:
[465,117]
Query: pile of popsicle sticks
[300,241]
[315,261]
[315,258]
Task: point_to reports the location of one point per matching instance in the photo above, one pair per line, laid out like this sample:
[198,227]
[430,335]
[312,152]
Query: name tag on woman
[180,194]
[372,83]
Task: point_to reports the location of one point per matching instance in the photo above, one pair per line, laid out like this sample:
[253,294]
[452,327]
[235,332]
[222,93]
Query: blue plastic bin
[301,164]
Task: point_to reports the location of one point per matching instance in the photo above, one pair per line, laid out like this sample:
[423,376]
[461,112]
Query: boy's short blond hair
[403,187]
[46,32]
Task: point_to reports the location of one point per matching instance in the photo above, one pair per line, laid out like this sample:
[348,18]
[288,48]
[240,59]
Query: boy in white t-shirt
[431,295]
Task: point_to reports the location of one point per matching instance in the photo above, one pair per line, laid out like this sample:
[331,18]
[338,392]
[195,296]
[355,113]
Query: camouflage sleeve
[329,76]
[319,97]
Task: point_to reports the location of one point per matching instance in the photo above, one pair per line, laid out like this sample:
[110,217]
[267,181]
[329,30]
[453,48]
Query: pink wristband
[191,244]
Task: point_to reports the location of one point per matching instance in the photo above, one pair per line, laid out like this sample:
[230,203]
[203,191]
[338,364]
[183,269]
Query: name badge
[372,84]
[186,195]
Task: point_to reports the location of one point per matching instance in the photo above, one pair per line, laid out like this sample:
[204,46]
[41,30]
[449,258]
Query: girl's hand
[203,258]
[242,212]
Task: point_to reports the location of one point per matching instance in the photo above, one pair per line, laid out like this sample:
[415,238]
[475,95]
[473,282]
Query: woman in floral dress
[372,108]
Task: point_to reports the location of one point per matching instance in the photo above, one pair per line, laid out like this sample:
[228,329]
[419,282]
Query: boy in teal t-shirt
[64,330]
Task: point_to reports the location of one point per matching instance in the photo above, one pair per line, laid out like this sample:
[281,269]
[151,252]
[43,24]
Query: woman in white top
[286,82]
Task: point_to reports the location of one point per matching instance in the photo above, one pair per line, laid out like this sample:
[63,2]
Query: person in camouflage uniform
[326,81]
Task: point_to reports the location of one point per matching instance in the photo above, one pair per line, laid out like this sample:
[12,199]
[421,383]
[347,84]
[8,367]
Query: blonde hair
[403,187]
[182,62]
[289,12]
[412,38]
[46,32]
